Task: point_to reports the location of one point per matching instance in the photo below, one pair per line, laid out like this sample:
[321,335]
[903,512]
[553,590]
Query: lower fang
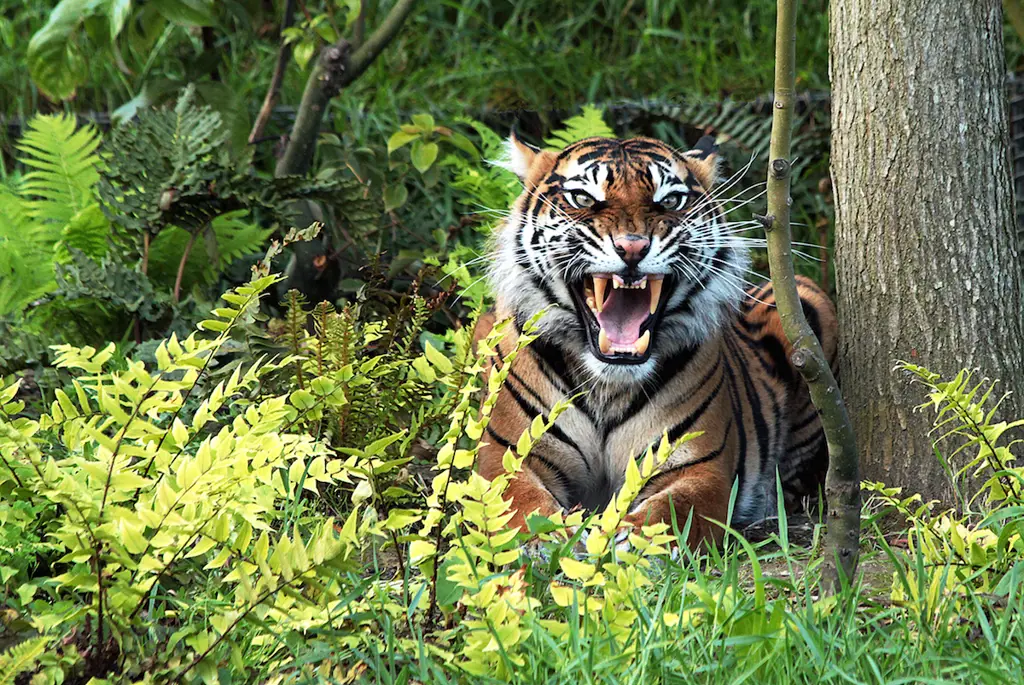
[604,343]
[643,343]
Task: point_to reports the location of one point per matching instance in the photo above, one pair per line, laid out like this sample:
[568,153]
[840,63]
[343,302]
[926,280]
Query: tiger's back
[663,342]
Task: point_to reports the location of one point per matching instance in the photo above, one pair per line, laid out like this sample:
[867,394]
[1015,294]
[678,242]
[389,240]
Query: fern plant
[953,553]
[50,210]
[20,658]
[589,123]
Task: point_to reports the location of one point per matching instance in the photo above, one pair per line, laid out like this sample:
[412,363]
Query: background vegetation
[266,487]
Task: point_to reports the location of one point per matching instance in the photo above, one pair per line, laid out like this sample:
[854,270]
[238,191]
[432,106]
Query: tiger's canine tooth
[642,344]
[655,294]
[603,342]
[600,285]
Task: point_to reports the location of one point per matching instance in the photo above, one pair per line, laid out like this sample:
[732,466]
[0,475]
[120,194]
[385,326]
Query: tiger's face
[625,245]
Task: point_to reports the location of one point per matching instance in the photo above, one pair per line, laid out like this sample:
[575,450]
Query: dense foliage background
[275,485]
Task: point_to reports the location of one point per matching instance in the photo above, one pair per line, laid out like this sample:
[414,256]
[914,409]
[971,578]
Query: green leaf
[304,53]
[588,124]
[118,12]
[465,144]
[400,139]
[538,524]
[395,196]
[448,591]
[424,122]
[55,60]
[423,155]
[441,362]
[186,12]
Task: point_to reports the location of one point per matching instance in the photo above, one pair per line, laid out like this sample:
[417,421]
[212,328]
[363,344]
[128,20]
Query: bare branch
[336,68]
[842,486]
[284,54]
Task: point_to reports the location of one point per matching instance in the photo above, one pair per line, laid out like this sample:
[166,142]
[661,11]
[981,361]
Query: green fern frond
[88,231]
[589,123]
[322,314]
[295,328]
[230,237]
[65,167]
[20,658]
[26,254]
[492,146]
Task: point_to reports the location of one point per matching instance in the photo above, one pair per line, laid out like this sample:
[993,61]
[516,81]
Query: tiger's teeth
[600,285]
[655,294]
[641,345]
[604,343]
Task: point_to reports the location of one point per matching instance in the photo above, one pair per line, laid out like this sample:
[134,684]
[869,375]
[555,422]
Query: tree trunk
[926,262]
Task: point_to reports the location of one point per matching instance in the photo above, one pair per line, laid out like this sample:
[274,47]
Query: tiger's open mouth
[620,314]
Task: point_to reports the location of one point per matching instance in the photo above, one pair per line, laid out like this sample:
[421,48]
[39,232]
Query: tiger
[625,251]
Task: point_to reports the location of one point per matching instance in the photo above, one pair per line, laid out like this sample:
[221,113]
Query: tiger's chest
[732,414]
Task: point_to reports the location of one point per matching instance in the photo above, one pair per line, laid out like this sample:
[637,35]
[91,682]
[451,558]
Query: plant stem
[136,322]
[181,267]
[842,485]
[359,28]
[336,68]
[284,53]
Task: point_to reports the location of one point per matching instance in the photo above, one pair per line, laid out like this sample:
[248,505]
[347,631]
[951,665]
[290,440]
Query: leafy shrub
[104,236]
[184,517]
[978,547]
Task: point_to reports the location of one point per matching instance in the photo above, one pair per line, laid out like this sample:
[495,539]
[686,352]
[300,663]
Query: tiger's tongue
[623,313]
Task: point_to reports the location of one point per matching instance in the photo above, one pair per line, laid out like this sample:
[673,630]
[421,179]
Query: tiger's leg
[526,490]
[697,478]
[804,459]
[702,491]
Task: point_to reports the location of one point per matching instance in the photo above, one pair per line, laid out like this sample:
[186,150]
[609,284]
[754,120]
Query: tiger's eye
[581,199]
[673,201]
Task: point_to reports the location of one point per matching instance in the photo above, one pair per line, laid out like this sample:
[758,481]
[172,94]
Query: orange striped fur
[712,357]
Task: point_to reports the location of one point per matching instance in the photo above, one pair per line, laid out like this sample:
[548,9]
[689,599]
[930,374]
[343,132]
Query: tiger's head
[626,245]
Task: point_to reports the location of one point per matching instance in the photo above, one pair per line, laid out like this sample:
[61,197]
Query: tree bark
[336,67]
[927,266]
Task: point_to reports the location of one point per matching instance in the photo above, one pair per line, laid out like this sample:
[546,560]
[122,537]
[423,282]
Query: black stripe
[806,421]
[760,426]
[558,473]
[773,450]
[741,433]
[755,349]
[674,365]
[554,431]
[711,456]
[552,364]
[811,314]
[497,438]
[528,388]
[807,442]
[751,326]
[779,366]
[678,430]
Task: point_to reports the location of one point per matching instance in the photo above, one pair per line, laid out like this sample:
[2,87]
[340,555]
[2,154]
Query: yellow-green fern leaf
[65,167]
[587,124]
[20,658]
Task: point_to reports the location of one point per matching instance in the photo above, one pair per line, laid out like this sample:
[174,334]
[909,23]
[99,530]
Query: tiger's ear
[524,160]
[703,161]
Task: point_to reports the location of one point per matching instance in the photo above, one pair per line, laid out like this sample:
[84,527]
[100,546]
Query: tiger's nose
[632,248]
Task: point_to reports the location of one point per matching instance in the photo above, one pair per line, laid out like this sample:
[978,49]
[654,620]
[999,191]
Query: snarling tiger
[626,246]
